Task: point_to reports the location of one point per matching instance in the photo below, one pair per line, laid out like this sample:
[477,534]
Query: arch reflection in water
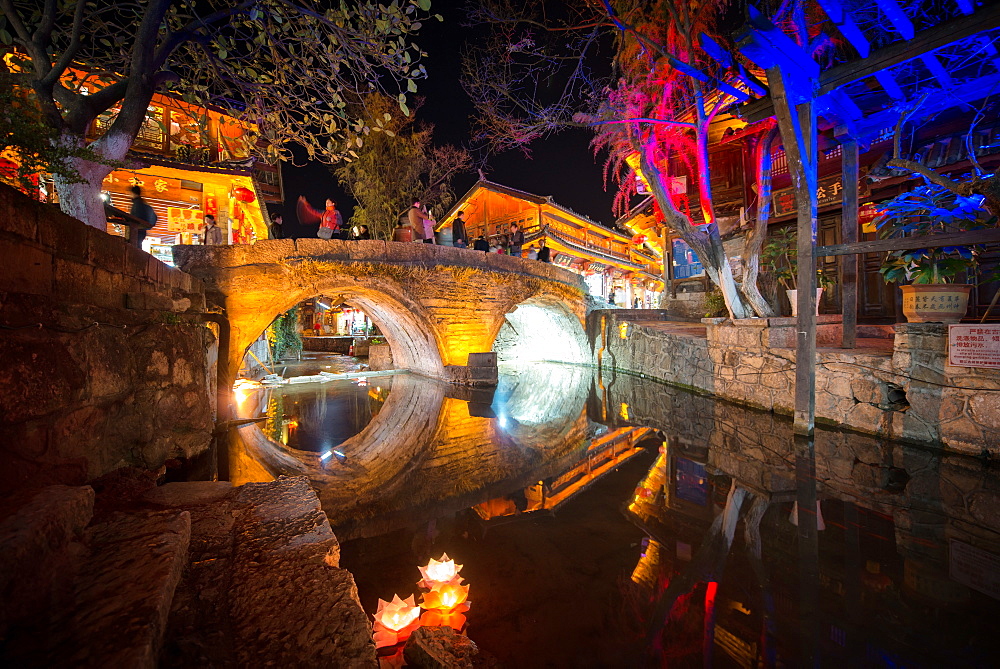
[426,451]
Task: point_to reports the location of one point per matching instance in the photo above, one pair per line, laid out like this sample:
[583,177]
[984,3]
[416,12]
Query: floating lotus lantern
[395,621]
[439,571]
[445,596]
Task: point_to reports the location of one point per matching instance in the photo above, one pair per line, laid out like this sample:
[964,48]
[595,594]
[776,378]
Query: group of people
[331,226]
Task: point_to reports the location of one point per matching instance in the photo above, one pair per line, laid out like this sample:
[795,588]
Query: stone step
[124,590]
[40,534]
[264,587]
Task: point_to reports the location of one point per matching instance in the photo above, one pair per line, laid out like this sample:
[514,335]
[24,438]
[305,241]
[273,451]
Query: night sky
[562,166]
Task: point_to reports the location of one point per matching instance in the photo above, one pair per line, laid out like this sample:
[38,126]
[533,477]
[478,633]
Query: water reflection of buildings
[903,569]
[602,455]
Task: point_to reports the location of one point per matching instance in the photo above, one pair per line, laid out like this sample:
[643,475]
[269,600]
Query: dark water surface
[611,521]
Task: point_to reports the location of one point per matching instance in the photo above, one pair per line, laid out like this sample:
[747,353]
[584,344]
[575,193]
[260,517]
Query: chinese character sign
[974,346]
[180,219]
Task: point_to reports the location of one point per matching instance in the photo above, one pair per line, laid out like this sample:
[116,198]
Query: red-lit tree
[671,80]
[291,68]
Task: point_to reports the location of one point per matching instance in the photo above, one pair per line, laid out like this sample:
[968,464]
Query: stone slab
[125,590]
[36,533]
[439,648]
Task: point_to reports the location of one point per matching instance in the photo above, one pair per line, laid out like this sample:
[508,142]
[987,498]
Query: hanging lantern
[395,621]
[439,571]
[244,194]
[639,239]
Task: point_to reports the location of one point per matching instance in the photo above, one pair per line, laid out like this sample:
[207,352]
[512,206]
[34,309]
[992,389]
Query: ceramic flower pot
[793,297]
[935,303]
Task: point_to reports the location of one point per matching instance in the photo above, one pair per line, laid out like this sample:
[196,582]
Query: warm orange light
[439,571]
[395,621]
[445,596]
[454,619]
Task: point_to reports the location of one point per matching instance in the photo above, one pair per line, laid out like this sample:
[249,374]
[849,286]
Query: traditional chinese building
[197,162]
[608,259]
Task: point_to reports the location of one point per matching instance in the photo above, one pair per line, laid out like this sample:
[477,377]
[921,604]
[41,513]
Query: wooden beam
[927,41]
[970,91]
[849,235]
[986,236]
[935,67]
[842,19]
[897,17]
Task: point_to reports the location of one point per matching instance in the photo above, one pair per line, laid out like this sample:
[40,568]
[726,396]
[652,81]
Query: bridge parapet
[198,260]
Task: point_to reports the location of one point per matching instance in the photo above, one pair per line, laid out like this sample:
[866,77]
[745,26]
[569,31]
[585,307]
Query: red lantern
[639,239]
[244,194]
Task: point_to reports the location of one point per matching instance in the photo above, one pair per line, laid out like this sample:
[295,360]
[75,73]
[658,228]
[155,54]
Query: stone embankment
[107,359]
[191,574]
[899,388]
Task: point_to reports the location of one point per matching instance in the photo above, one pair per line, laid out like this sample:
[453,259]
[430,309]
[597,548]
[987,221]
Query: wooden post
[797,122]
[849,235]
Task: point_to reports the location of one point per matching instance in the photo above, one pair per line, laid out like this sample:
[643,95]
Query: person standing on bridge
[459,236]
[415,220]
[516,240]
[213,233]
[331,223]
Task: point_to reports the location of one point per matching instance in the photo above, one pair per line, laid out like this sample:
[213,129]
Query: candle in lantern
[445,596]
[439,571]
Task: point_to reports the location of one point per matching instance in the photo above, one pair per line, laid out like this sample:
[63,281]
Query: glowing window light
[624,411]
[623,330]
[439,572]
[395,621]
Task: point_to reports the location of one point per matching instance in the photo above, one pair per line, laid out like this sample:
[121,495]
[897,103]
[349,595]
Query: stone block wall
[106,359]
[910,393]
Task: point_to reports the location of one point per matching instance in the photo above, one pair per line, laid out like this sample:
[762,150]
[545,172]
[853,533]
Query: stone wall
[106,359]
[907,393]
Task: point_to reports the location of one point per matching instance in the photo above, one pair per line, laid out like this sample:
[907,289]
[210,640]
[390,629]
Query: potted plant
[781,254]
[931,296]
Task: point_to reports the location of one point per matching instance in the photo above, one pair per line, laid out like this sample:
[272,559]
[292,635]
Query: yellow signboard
[180,219]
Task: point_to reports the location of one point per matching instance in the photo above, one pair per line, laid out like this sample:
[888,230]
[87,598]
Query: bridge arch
[435,304]
[542,328]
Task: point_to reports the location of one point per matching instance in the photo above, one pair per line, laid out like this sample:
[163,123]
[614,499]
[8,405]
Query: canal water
[606,521]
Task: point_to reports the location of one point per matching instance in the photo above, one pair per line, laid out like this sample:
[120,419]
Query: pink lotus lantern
[395,621]
[439,571]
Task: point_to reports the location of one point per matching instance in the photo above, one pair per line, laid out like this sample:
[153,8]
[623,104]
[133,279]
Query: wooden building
[607,258]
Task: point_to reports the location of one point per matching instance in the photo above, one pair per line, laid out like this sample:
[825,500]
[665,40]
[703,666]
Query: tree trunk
[755,242]
[83,200]
[708,245]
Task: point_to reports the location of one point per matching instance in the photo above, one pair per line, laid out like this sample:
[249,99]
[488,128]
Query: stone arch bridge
[434,304]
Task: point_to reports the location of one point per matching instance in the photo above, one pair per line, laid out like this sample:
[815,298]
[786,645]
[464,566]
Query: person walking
[331,223]
[141,210]
[516,240]
[458,235]
[213,233]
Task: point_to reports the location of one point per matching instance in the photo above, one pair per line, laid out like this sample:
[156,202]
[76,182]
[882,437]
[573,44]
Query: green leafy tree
[29,141]
[294,69]
[396,164]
